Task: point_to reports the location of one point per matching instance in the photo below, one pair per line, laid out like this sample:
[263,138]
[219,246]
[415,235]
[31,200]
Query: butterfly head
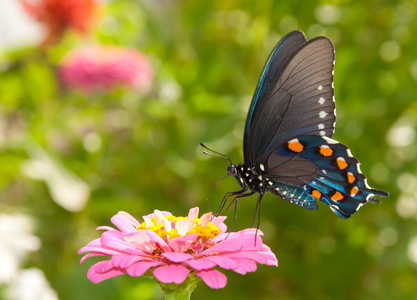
[231,170]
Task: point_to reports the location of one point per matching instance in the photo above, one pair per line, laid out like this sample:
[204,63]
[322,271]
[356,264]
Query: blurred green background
[139,151]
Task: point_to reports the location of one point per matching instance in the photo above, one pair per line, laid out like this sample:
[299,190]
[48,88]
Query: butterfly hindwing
[299,101]
[323,169]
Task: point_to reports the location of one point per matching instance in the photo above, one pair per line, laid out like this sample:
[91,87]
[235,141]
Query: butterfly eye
[231,169]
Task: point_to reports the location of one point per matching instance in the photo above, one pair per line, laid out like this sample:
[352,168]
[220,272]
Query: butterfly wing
[295,100]
[313,167]
[275,65]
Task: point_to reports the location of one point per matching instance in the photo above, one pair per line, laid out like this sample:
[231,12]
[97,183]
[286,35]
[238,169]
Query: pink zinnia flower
[105,67]
[171,249]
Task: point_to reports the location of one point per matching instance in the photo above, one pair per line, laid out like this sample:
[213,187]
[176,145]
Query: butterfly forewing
[274,66]
[299,101]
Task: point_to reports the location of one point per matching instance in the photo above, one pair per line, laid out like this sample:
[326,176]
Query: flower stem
[178,296]
[180,291]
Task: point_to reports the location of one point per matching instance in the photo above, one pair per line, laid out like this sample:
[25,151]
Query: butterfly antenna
[211,187]
[214,153]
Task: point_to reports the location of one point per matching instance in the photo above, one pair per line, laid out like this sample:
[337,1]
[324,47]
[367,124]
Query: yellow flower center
[205,232]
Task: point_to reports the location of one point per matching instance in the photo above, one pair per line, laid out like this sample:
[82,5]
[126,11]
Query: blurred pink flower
[58,16]
[171,248]
[95,68]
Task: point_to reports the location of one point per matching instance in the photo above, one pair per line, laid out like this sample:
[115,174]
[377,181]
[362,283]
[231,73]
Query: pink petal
[261,258]
[177,257]
[94,244]
[193,213]
[159,242]
[165,213]
[123,223]
[160,219]
[182,243]
[222,262]
[98,277]
[103,266]
[244,266]
[184,225]
[111,241]
[223,247]
[141,267]
[218,221]
[205,219]
[171,273]
[213,278]
[201,264]
[108,228]
[125,261]
[92,254]
[146,240]
[135,223]
[246,239]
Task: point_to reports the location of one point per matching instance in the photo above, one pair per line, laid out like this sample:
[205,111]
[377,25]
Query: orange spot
[295,146]
[325,150]
[351,178]
[337,196]
[316,194]
[354,191]
[341,163]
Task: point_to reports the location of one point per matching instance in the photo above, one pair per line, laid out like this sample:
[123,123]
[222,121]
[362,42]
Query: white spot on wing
[334,208]
[369,197]
[349,153]
[322,133]
[358,167]
[322,114]
[367,185]
[320,126]
[320,87]
[293,141]
[359,206]
[322,100]
[329,140]
[261,166]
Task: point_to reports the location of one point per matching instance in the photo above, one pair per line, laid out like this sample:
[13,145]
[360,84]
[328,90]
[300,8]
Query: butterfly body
[288,149]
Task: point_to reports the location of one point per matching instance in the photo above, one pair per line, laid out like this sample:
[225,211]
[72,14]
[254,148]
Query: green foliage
[138,153]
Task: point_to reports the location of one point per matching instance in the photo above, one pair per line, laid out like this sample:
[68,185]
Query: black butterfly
[287,145]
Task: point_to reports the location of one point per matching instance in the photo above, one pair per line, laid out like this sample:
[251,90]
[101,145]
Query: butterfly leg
[238,194]
[257,214]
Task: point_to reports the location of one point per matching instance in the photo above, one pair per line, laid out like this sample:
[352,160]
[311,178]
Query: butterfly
[287,143]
